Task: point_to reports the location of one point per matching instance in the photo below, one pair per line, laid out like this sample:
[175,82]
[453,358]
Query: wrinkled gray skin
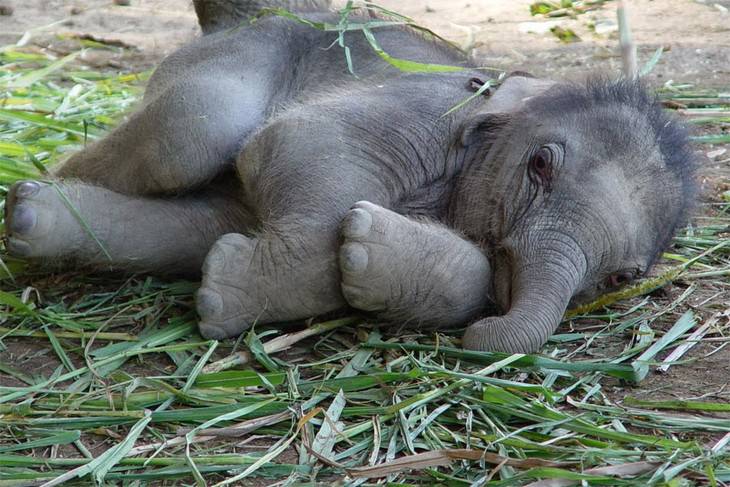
[299,189]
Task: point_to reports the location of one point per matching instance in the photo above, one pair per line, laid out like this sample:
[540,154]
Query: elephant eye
[541,164]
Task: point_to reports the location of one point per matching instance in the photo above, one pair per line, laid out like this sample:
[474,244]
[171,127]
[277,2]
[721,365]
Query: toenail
[18,248]
[353,257]
[357,223]
[365,204]
[208,303]
[27,188]
[23,219]
[360,299]
[212,332]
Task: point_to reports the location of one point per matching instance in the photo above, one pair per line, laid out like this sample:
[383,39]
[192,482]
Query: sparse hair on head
[670,134]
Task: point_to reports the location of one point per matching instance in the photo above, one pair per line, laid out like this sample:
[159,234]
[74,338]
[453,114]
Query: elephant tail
[216,15]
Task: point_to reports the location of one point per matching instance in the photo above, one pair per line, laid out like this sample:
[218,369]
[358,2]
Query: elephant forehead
[611,134]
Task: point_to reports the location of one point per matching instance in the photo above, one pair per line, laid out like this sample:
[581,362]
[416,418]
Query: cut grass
[105,377]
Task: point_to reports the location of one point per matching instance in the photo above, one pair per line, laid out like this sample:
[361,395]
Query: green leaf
[16,304]
[683,324]
[649,66]
[31,77]
[62,438]
[237,378]
[101,465]
[406,65]
[43,121]
[256,347]
[625,372]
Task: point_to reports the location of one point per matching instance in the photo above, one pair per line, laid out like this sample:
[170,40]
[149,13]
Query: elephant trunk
[535,282]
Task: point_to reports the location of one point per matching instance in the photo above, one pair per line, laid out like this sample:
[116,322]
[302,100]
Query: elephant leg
[217,15]
[413,271]
[281,274]
[75,221]
[185,136]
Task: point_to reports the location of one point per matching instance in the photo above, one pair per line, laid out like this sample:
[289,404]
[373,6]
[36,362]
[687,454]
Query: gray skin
[217,15]
[299,189]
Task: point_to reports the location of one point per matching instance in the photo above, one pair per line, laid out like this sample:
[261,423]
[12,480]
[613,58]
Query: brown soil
[151,28]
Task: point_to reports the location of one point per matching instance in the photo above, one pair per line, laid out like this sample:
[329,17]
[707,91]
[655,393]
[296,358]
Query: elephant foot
[39,223]
[224,301]
[407,270]
[368,255]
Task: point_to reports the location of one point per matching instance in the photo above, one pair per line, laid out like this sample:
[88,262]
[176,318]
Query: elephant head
[574,189]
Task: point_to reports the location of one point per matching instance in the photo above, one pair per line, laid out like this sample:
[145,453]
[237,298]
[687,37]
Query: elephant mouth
[503,280]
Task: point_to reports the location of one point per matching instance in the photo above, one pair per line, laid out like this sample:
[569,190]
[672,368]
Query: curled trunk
[537,284]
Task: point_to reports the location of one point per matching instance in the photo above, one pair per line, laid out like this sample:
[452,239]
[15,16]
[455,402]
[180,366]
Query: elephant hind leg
[76,222]
[180,140]
[216,15]
[407,270]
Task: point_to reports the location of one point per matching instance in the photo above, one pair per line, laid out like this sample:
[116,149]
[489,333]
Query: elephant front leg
[284,273]
[408,270]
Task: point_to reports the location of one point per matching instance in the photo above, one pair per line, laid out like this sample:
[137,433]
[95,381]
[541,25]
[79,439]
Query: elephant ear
[509,98]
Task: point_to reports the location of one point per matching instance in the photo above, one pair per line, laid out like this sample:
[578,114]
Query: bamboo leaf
[101,465]
[62,438]
[31,77]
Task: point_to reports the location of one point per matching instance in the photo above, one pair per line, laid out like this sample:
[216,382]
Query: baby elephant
[299,189]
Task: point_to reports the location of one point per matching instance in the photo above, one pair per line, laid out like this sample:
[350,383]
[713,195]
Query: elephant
[293,187]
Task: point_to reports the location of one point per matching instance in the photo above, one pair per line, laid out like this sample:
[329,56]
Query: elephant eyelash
[541,167]
[540,175]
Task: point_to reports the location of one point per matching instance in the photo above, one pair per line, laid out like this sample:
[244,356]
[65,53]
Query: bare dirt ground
[694,34]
